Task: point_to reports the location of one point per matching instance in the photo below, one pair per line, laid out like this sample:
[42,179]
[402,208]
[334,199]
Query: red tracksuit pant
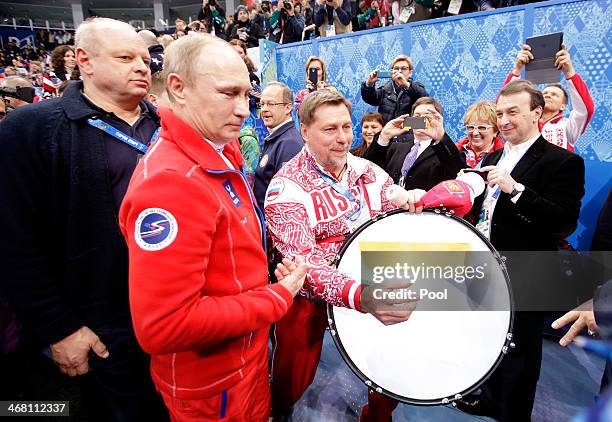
[247,401]
[298,340]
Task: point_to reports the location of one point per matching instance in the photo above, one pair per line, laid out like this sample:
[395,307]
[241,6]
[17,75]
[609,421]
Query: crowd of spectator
[296,20]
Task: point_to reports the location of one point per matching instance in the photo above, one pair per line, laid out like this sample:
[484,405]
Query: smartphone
[313,77]
[483,174]
[415,123]
[384,74]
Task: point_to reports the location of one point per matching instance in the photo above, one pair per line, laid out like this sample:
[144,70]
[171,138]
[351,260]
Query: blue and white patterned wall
[463,59]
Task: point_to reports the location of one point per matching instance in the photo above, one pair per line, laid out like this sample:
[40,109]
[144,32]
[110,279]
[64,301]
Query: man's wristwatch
[516,189]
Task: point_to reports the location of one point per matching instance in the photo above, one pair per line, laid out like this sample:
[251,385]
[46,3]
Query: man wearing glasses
[395,98]
[283,142]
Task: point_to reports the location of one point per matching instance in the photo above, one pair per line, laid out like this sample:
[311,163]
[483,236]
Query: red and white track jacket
[564,131]
[199,294]
[306,216]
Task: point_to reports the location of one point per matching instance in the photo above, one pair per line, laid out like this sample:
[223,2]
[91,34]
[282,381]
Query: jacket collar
[356,167]
[532,155]
[280,130]
[76,107]
[195,146]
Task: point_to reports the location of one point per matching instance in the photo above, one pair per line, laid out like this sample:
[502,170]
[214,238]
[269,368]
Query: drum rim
[369,383]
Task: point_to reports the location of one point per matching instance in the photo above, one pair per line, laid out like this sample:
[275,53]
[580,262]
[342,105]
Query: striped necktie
[410,158]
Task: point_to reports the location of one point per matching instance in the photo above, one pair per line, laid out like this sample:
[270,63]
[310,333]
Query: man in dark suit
[430,158]
[532,201]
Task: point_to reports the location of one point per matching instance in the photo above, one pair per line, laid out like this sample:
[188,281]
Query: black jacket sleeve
[416,91]
[344,12]
[377,153]
[371,94]
[255,33]
[555,211]
[450,157]
[297,22]
[319,15]
[31,277]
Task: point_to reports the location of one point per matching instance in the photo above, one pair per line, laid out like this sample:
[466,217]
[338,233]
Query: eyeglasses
[480,128]
[401,68]
[269,105]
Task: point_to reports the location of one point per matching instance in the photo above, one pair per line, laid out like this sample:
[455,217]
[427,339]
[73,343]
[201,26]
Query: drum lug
[509,336]
[512,345]
[368,383]
[445,400]
[379,216]
[458,396]
[332,332]
[330,322]
[379,390]
[505,350]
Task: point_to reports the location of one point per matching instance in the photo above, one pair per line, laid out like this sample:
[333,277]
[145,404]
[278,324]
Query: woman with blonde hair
[317,63]
[480,122]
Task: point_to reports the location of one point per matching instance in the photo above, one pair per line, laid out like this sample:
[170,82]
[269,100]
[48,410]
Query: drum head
[436,356]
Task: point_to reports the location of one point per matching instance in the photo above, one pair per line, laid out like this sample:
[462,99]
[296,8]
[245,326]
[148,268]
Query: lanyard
[117,134]
[346,193]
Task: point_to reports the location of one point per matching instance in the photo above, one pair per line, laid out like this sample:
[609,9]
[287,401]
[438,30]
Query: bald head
[149,37]
[114,63]
[94,31]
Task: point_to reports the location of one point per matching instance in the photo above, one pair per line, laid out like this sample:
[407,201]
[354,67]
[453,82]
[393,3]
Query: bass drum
[435,357]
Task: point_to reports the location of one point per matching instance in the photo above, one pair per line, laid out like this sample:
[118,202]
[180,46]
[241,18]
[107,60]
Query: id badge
[454,7]
[330,31]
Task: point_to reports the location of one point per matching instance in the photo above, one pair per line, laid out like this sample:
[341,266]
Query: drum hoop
[371,385]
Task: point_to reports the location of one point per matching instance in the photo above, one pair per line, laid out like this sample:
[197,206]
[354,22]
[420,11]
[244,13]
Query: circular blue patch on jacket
[155,229]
